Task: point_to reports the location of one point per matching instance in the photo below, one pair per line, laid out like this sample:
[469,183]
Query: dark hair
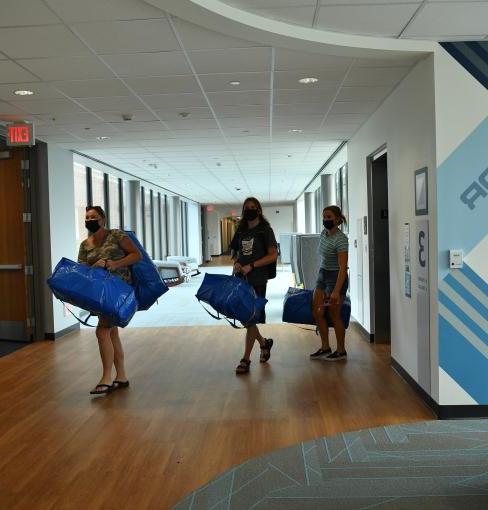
[336,211]
[243,223]
[97,208]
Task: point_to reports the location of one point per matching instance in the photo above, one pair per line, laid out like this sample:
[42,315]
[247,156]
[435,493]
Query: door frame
[369,177]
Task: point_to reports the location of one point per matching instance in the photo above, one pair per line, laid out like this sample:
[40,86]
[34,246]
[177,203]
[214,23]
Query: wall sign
[20,134]
[421,192]
[406,251]
[423,304]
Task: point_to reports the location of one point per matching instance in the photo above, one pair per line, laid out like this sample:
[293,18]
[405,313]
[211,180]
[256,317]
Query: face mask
[92,225]
[250,214]
[328,224]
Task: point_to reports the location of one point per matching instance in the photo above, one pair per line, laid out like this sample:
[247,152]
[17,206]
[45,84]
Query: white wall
[280,217]
[300,212]
[194,232]
[62,221]
[406,123]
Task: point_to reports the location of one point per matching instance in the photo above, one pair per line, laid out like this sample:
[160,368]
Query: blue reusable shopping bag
[232,297]
[297,308]
[95,290]
[147,282]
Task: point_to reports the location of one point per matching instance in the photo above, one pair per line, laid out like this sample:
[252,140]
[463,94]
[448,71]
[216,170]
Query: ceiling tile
[384,20]
[122,104]
[221,82]
[405,61]
[162,101]
[236,60]
[356,107]
[255,97]
[128,36]
[148,64]
[195,37]
[103,10]
[296,15]
[450,19]
[164,85]
[299,108]
[318,96]
[64,68]
[289,60]
[45,41]
[10,72]
[261,110]
[369,76]
[363,93]
[41,91]
[26,12]
[70,119]
[173,113]
[332,77]
[137,116]
[92,88]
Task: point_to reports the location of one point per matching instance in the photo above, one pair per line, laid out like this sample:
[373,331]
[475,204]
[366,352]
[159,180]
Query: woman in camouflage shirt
[114,251]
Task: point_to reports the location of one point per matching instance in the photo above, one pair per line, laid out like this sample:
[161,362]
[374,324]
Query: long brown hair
[336,211]
[243,223]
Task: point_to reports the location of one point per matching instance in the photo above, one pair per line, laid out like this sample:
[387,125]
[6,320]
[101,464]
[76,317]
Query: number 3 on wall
[422,248]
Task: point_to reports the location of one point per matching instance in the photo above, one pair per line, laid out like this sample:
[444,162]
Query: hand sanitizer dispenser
[455,259]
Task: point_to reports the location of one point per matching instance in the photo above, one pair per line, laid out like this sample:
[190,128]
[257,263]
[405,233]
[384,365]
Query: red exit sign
[19,134]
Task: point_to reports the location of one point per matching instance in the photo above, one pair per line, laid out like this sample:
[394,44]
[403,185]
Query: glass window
[114,202]
[164,230]
[157,225]
[125,191]
[98,193]
[81,198]
[148,230]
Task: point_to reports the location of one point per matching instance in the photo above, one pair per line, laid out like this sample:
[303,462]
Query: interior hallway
[186,417]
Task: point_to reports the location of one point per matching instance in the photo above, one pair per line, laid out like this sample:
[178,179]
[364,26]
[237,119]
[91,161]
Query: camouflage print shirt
[110,249]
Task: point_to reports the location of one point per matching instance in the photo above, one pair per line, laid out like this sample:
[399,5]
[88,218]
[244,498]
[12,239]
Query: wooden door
[14,284]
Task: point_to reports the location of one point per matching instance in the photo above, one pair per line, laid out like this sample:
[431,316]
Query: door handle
[10,267]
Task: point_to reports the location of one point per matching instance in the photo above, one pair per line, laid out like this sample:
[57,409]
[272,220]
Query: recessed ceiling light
[308,80]
[103,138]
[295,131]
[23,92]
[234,83]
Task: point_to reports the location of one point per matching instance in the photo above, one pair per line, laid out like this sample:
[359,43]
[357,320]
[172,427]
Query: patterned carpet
[435,465]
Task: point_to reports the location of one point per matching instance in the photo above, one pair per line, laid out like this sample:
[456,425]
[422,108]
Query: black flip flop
[107,389]
[120,384]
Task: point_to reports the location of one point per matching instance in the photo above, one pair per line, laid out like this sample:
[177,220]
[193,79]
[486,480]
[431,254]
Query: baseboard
[450,412]
[367,336]
[63,332]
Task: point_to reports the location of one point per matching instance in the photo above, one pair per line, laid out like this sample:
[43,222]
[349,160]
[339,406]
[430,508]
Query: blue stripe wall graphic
[473,56]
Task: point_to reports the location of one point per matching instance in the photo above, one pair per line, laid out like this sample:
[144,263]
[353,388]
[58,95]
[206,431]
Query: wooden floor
[186,417]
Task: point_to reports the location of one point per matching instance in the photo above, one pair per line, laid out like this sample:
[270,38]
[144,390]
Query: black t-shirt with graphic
[252,245]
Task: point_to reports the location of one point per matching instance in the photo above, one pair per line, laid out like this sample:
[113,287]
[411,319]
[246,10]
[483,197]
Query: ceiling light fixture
[235,83]
[103,138]
[23,92]
[308,80]
[295,131]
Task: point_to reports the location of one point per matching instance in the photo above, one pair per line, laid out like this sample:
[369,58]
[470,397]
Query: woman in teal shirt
[332,284]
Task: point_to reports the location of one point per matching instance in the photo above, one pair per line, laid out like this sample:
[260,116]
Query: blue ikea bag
[232,297]
[95,290]
[297,308]
[146,280]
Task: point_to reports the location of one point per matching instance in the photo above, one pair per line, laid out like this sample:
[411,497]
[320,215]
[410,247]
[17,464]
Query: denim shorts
[327,280]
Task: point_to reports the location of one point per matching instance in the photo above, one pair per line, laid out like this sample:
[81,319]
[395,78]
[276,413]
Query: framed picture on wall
[421,192]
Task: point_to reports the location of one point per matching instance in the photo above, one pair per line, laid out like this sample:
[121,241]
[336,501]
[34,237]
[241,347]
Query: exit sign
[20,134]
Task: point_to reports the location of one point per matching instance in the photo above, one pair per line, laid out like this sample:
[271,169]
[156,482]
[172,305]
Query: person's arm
[82,256]
[133,255]
[342,258]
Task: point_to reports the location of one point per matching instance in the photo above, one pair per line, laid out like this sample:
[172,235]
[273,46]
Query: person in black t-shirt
[254,248]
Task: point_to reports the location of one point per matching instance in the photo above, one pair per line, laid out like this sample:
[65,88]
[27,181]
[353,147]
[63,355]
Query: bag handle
[220,318]
[85,322]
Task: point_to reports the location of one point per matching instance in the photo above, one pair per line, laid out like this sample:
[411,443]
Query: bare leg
[340,330]
[106,353]
[252,334]
[120,374]
[318,313]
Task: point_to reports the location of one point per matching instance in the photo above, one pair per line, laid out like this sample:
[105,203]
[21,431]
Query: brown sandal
[243,367]
[266,350]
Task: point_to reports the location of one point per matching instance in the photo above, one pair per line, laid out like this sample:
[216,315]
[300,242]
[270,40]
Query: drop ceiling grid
[96,102]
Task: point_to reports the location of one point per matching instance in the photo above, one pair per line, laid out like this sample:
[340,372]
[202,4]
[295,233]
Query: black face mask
[328,224]
[92,226]
[250,214]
